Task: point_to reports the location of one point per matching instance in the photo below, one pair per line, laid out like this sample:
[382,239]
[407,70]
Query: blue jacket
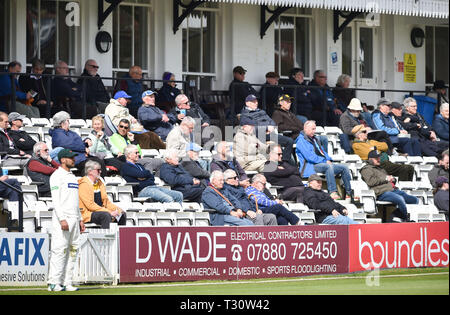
[317,98]
[69,140]
[308,155]
[176,176]
[261,198]
[386,123]
[240,194]
[212,200]
[5,89]
[258,115]
[136,173]
[440,126]
[150,117]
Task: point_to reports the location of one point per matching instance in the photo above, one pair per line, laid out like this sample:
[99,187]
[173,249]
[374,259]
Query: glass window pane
[4,31]
[441,40]
[140,37]
[302,44]
[115,37]
[277,46]
[209,30]
[347,51]
[185,45]
[67,37]
[287,44]
[125,37]
[32,30]
[194,37]
[48,32]
[429,54]
[366,52]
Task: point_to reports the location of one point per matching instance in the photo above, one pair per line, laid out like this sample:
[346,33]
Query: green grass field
[423,281]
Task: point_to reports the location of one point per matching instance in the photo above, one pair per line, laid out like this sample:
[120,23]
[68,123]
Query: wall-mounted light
[103,41]
[417,37]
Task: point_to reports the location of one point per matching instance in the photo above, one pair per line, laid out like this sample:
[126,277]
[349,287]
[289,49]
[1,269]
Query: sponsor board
[23,259]
[406,245]
[154,254]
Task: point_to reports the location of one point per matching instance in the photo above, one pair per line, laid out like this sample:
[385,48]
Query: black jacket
[320,200]
[5,145]
[195,112]
[287,177]
[95,89]
[301,105]
[241,91]
[22,140]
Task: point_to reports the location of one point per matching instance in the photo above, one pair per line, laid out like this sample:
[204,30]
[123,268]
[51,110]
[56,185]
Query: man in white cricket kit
[67,224]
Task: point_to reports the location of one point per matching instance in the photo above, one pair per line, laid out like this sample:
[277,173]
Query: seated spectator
[63,137]
[272,92]
[287,121]
[14,156]
[331,212]
[384,186]
[10,194]
[257,194]
[192,165]
[122,138]
[20,138]
[37,84]
[265,124]
[134,172]
[117,110]
[441,169]
[184,108]
[248,207]
[23,99]
[342,93]
[216,197]
[439,93]
[99,145]
[96,93]
[441,195]
[179,179]
[40,167]
[362,147]
[168,92]
[95,205]
[332,112]
[180,136]
[153,118]
[440,122]
[313,159]
[248,149]
[302,105]
[281,173]
[225,160]
[241,90]
[67,95]
[417,127]
[400,138]
[134,87]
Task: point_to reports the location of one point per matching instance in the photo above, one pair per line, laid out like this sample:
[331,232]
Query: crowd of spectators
[278,145]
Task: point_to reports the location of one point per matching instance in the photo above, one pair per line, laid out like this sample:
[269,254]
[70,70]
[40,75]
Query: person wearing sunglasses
[95,89]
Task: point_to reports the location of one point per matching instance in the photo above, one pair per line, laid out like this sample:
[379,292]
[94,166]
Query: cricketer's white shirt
[64,190]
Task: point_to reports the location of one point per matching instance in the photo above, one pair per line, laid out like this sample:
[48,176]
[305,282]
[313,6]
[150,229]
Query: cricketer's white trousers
[64,250]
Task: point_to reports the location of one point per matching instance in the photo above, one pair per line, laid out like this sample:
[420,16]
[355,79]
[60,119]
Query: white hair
[179,98]
[258,178]
[229,173]
[443,107]
[59,118]
[214,175]
[170,153]
[341,79]
[129,149]
[409,101]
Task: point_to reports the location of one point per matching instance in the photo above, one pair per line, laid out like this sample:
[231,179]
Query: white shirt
[64,190]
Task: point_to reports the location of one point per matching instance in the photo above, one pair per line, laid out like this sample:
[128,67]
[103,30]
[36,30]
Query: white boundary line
[232,282]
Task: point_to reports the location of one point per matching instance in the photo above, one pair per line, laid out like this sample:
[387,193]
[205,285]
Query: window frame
[8,33]
[310,19]
[430,84]
[133,5]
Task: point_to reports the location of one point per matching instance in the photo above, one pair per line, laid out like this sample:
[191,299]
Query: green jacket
[375,178]
[119,143]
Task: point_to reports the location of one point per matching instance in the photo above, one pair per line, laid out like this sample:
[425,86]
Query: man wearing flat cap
[241,90]
[331,212]
[21,139]
[384,186]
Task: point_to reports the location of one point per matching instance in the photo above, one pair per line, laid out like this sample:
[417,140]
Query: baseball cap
[316,177]
[193,147]
[66,153]
[121,94]
[285,97]
[239,69]
[148,93]
[15,116]
[373,154]
[251,98]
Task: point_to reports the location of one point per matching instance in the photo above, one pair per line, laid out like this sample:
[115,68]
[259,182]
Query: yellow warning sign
[410,68]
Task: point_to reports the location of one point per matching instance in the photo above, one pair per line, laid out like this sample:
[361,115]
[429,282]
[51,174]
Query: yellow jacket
[87,203]
[363,148]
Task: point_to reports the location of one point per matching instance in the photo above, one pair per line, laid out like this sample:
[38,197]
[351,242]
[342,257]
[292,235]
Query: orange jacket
[87,203]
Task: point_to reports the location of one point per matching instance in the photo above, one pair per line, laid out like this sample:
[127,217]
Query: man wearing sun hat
[66,224]
[153,118]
